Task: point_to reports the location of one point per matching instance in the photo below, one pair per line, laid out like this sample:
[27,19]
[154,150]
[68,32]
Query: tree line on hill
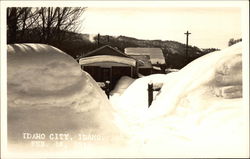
[42,24]
[233,41]
[173,51]
[58,26]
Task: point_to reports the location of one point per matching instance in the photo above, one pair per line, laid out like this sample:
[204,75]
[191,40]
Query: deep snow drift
[123,83]
[198,112]
[49,93]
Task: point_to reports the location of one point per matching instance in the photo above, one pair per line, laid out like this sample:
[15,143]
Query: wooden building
[152,58]
[108,64]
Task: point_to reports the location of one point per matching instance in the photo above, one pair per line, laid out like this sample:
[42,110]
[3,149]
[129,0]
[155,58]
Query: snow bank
[132,104]
[198,112]
[208,73]
[122,84]
[169,70]
[49,93]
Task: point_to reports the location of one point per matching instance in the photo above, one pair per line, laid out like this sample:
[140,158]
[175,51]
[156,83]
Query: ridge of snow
[49,93]
[187,117]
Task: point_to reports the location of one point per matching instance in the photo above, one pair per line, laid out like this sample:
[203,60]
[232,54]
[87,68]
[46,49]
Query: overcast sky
[210,27]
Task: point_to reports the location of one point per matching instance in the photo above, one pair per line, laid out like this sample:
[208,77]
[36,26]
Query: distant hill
[76,45]
[173,51]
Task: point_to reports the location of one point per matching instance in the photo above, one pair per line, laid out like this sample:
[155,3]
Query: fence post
[150,94]
[107,88]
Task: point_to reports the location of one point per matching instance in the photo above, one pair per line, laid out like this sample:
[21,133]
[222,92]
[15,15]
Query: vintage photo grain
[124,79]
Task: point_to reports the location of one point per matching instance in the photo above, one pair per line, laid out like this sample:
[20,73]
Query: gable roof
[106,50]
[156,54]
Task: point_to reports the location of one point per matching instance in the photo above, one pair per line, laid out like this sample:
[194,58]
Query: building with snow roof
[155,54]
[106,50]
[150,58]
[108,64]
[144,65]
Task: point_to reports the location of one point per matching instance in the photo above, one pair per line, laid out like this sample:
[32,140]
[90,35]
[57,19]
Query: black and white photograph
[115,79]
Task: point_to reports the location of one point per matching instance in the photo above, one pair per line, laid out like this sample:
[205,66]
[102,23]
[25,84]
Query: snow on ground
[49,93]
[169,70]
[122,84]
[198,112]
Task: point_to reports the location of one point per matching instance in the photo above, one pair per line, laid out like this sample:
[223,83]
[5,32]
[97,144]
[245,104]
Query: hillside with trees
[233,41]
[58,26]
[173,51]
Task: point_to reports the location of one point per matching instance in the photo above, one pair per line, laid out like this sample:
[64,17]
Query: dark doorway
[106,74]
[118,72]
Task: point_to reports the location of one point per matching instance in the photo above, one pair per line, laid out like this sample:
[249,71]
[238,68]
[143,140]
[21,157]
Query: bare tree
[55,20]
[20,19]
[13,14]
[28,20]
[48,18]
[68,19]
[51,22]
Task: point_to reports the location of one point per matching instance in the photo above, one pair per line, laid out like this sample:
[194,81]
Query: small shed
[108,64]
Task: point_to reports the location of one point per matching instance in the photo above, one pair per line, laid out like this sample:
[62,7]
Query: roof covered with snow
[106,50]
[107,59]
[156,54]
[143,60]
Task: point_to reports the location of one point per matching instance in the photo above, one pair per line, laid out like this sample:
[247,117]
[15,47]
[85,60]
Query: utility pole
[108,38]
[98,39]
[187,33]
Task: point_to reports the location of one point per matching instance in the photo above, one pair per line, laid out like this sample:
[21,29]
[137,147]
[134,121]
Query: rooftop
[143,60]
[106,50]
[105,59]
[155,54]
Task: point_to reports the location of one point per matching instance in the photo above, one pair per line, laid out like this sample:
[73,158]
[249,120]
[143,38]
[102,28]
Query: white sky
[210,27]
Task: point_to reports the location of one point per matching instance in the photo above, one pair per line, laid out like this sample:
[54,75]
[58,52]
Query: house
[108,64]
[155,55]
